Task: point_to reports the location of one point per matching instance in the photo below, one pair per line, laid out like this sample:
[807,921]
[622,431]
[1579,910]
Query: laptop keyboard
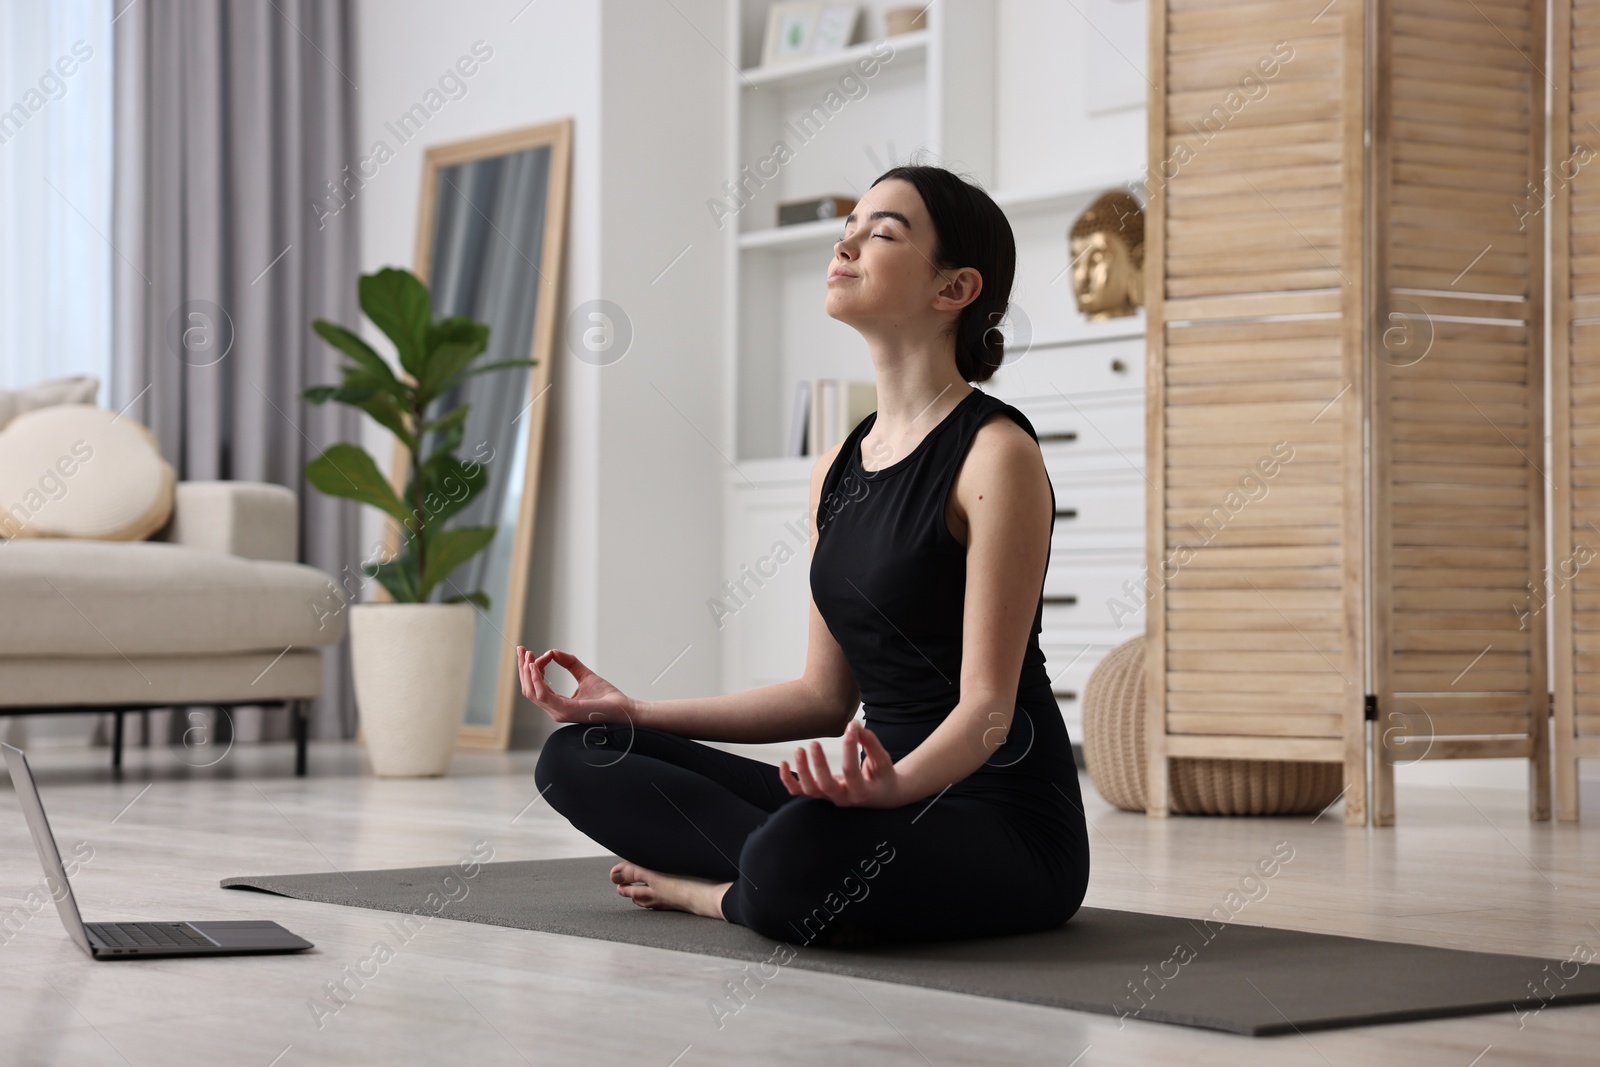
[150,935]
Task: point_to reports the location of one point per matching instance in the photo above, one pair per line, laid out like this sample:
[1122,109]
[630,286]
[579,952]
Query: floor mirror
[490,233]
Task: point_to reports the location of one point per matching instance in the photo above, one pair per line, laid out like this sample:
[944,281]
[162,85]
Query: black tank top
[889,578]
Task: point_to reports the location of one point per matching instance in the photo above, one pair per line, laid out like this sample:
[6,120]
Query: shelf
[1069,196]
[771,472]
[822,233]
[1124,328]
[821,67]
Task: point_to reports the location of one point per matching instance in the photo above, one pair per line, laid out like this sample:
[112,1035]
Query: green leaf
[458,481]
[451,344]
[456,416]
[399,577]
[445,364]
[479,598]
[457,329]
[450,430]
[449,549]
[345,470]
[387,413]
[502,364]
[365,391]
[448,485]
[356,349]
[398,302]
[359,391]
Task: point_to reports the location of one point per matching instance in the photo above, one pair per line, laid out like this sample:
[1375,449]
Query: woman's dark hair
[969,230]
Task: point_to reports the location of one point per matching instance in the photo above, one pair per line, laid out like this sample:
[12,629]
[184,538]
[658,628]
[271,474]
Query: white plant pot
[413,668]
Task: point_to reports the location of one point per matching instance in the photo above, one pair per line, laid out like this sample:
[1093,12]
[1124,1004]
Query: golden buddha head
[1107,243]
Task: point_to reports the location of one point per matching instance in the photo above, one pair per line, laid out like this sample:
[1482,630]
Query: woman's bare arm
[1004,491]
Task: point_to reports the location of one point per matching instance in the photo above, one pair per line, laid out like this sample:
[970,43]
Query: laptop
[116,941]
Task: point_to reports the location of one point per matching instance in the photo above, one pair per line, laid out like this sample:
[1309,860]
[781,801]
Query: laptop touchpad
[249,934]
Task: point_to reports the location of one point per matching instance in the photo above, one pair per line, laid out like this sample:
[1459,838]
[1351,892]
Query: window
[55,190]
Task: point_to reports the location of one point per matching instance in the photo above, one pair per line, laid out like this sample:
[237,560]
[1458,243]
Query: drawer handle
[1065,436]
[1066,598]
[1067,513]
[1067,694]
[1118,366]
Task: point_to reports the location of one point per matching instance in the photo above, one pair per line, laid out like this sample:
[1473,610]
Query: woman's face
[882,269]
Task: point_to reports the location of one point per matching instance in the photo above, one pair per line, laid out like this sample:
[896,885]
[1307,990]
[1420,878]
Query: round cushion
[80,471]
[1114,752]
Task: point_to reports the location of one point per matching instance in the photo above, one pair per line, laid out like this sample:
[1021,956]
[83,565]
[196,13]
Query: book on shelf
[798,414]
[795,212]
[826,410]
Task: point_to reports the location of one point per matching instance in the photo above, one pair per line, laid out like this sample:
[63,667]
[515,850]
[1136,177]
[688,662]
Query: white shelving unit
[1081,384]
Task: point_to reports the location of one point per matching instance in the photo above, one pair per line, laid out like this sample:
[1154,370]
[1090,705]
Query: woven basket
[1114,750]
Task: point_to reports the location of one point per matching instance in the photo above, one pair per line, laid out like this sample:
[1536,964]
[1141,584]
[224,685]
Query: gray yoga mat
[1235,977]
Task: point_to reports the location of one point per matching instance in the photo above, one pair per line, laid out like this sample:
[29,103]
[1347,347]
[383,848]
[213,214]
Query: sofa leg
[221,726]
[116,746]
[301,729]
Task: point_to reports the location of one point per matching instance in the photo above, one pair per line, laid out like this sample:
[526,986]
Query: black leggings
[803,868]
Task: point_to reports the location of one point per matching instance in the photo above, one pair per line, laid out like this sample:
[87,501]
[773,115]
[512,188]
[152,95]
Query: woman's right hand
[595,700]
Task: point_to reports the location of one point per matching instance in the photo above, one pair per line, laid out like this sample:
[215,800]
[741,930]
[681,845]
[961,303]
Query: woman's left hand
[869,784]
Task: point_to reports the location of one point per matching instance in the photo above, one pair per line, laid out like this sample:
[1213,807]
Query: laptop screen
[55,875]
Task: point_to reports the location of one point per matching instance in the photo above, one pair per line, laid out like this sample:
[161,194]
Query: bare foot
[669,892]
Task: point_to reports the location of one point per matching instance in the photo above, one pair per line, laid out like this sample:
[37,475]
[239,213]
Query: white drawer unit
[1069,666]
[1078,369]
[1093,600]
[1086,403]
[762,607]
[1101,515]
[1088,435]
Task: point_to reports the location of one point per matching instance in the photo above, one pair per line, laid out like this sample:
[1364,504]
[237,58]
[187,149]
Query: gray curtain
[231,120]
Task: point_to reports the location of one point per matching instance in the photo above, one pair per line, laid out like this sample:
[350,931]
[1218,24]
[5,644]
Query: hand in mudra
[594,701]
[872,783]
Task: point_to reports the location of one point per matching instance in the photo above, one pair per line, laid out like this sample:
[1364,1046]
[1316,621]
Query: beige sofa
[213,611]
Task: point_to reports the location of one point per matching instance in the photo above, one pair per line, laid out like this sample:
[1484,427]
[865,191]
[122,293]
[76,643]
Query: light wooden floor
[1463,869]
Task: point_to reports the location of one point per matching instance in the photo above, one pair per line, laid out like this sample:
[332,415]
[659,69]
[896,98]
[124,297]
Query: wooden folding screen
[1282,331]
[1572,595]
[1254,391]
[1457,388]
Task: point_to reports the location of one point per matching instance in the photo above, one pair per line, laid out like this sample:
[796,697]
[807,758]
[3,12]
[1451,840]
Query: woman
[957,812]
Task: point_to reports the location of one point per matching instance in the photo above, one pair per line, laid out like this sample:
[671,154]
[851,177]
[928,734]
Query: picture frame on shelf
[797,31]
[836,25]
[791,28]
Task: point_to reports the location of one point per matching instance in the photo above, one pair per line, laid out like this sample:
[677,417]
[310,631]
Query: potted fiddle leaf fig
[412,657]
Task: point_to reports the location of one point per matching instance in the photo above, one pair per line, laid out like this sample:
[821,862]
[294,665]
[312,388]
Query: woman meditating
[956,812]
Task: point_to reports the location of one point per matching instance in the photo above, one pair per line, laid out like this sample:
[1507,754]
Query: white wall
[545,65]
[660,418]
[1060,72]
[626,548]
